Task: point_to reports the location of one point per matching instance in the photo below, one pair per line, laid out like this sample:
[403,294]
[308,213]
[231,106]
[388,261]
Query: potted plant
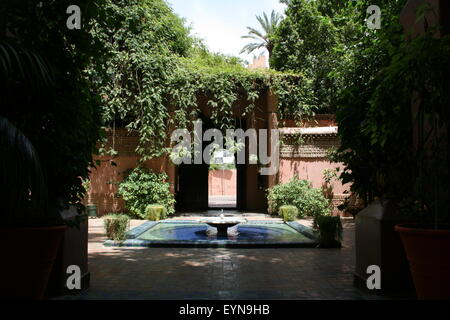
[330,231]
[49,126]
[35,228]
[393,128]
[29,220]
[423,65]
[116,226]
[91,208]
[288,213]
[155,212]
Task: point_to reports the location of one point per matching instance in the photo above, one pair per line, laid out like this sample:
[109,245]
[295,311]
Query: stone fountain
[222,223]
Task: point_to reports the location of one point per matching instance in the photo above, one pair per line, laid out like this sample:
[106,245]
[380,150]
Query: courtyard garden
[153,167]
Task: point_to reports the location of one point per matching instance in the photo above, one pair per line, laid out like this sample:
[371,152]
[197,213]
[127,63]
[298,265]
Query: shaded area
[162,273]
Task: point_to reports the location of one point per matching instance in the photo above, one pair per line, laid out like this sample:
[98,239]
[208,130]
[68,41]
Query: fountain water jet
[222,223]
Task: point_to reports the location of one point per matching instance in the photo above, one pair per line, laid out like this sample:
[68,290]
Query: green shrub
[155,212]
[299,193]
[288,213]
[227,166]
[330,231]
[116,226]
[141,187]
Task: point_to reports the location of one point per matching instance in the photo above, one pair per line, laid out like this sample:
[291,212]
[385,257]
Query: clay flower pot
[27,261]
[428,253]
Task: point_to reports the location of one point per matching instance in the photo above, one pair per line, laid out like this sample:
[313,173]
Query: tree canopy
[154,65]
[44,92]
[373,168]
[315,39]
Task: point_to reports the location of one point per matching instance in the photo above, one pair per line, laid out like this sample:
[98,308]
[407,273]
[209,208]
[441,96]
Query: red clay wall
[308,161]
[215,185]
[313,171]
[104,178]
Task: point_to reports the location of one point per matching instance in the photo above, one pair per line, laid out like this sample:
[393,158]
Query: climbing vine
[155,73]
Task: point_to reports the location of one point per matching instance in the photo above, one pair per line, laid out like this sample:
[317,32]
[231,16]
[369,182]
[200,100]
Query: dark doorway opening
[192,193]
[193,183]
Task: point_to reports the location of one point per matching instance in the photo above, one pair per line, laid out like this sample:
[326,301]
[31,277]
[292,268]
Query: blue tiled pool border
[133,234]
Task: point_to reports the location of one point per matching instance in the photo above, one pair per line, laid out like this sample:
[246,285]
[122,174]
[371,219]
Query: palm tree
[263,37]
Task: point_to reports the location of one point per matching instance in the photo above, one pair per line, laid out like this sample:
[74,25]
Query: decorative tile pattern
[133,234]
[314,146]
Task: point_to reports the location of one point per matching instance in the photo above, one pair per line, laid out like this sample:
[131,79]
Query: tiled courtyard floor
[162,273]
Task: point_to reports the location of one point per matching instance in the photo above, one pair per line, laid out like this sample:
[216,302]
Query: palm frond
[22,186]
[275,20]
[253,31]
[252,37]
[19,64]
[268,25]
[249,48]
[263,22]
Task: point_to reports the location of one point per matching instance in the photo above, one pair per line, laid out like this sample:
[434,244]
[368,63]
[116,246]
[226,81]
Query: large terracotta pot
[428,253]
[27,260]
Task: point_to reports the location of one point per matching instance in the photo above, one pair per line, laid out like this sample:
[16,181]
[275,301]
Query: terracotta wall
[308,161]
[222,182]
[110,171]
[313,171]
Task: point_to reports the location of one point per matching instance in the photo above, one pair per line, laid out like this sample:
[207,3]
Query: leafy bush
[228,166]
[298,193]
[47,97]
[308,41]
[375,169]
[142,187]
[155,212]
[288,213]
[330,231]
[116,226]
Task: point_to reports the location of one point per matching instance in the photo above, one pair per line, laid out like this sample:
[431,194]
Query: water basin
[196,234]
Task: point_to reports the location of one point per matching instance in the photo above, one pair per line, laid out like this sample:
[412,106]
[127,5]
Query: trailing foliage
[45,95]
[155,74]
[116,226]
[417,173]
[142,187]
[299,193]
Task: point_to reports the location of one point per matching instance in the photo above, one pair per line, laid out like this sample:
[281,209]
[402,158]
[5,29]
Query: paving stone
[208,273]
